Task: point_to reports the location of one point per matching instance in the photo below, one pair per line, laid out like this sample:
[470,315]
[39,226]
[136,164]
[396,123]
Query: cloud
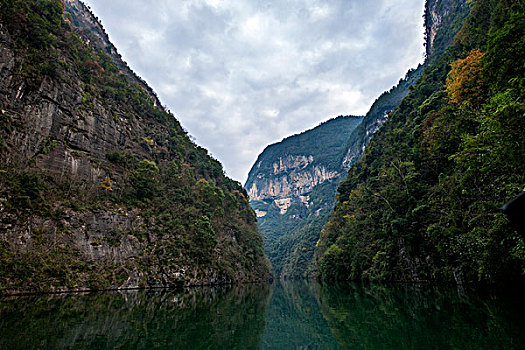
[240,75]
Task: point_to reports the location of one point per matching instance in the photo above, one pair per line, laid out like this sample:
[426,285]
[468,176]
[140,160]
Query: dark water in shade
[288,316]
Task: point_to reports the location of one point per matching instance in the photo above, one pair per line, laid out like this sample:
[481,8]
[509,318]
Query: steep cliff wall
[99,185]
[292,186]
[441,14]
[294,166]
[292,177]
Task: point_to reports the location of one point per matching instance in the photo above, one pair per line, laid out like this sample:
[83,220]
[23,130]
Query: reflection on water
[195,319]
[294,315]
[425,317]
[294,319]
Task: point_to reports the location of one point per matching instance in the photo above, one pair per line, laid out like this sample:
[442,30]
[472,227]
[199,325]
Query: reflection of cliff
[294,320]
[196,319]
[418,317]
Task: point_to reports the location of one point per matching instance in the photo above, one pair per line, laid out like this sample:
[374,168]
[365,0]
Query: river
[292,315]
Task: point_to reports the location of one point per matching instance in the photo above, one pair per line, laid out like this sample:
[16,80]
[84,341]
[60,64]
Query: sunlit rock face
[292,189]
[292,176]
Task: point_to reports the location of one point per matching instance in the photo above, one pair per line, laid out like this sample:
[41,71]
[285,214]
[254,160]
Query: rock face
[100,187]
[292,186]
[437,16]
[293,181]
[291,177]
[292,190]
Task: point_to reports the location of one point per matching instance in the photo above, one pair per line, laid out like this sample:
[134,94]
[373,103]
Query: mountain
[100,186]
[291,187]
[423,204]
[290,235]
[376,117]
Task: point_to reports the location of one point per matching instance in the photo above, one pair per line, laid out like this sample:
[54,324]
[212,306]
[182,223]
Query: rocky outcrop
[292,186]
[436,12]
[360,138]
[69,127]
[100,187]
[118,240]
[290,177]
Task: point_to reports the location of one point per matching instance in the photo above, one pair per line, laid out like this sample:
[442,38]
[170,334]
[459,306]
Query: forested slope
[424,202]
[292,186]
[100,186]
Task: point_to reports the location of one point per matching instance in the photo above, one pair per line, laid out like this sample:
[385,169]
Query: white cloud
[241,74]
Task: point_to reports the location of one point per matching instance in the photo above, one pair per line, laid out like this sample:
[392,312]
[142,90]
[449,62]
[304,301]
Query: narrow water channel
[292,315]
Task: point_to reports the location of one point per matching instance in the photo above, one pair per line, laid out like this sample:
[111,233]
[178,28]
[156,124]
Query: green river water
[293,315]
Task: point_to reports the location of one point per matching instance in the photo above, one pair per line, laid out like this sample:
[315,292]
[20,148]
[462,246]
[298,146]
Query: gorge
[291,235]
[381,230]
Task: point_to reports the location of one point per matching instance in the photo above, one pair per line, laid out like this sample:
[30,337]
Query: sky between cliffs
[240,75]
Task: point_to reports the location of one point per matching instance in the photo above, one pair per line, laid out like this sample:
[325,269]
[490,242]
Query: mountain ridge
[100,186]
[286,186]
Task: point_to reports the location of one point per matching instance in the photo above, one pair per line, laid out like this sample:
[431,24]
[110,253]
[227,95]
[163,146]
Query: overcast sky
[242,74]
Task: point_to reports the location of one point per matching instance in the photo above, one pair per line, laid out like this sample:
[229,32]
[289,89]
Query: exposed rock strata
[291,177]
[61,131]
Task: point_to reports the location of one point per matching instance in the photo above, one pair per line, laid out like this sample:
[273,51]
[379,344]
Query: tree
[465,81]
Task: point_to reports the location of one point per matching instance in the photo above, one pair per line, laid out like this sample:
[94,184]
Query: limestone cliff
[437,16]
[292,186]
[292,177]
[100,186]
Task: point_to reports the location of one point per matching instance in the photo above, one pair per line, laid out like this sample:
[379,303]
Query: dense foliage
[290,238]
[424,202]
[186,212]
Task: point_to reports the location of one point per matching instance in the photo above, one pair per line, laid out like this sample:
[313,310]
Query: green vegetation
[323,142]
[376,116]
[423,203]
[290,239]
[164,196]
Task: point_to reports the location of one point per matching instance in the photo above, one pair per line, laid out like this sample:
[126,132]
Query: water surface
[294,315]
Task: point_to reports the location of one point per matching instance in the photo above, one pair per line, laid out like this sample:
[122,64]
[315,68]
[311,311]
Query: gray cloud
[240,75]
